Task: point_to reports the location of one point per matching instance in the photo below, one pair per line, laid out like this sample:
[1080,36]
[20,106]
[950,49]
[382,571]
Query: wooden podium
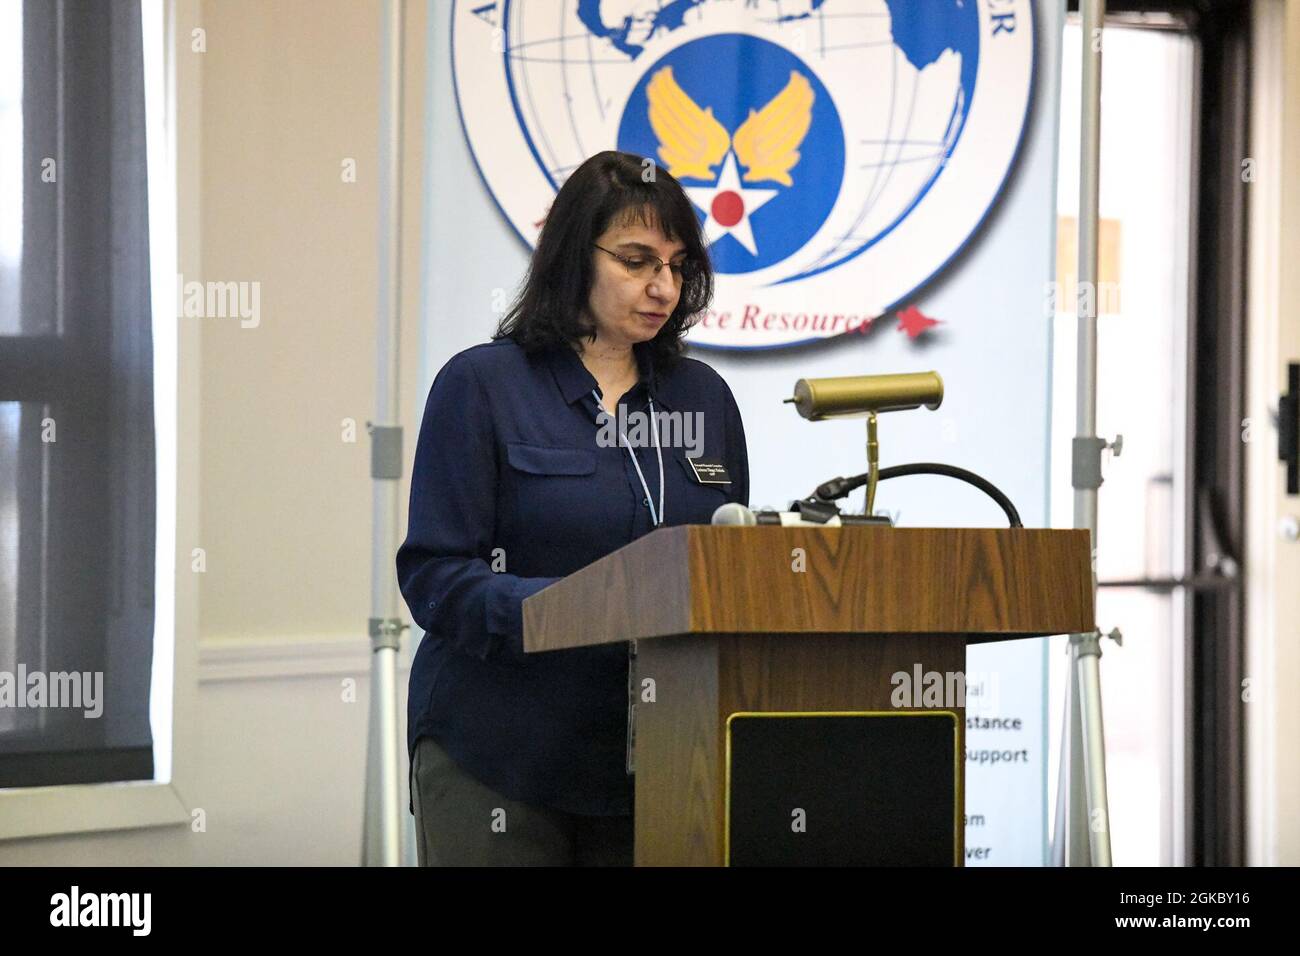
[769,727]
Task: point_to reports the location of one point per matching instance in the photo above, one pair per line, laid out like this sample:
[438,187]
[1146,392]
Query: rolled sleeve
[444,567]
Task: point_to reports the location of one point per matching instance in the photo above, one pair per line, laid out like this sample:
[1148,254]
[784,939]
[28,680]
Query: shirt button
[645,501]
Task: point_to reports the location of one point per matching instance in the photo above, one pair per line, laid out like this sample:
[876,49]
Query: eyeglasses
[645,266]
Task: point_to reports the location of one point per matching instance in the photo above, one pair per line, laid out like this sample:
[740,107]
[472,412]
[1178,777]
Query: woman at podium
[579,427]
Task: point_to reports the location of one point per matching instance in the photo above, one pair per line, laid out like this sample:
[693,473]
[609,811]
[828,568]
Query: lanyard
[656,518]
[656,514]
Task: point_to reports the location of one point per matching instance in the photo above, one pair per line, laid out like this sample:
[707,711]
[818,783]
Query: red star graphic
[914,322]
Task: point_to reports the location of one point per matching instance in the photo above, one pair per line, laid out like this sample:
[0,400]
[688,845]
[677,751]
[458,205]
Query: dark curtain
[76,401]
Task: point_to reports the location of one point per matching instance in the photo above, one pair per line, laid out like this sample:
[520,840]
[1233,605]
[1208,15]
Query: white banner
[877,182]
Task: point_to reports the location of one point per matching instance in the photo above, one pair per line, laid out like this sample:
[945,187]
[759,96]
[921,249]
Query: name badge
[709,471]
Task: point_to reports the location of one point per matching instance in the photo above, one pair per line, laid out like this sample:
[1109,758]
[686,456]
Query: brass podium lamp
[818,399]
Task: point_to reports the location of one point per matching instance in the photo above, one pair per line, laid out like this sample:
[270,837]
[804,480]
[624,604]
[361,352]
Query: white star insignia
[729,205]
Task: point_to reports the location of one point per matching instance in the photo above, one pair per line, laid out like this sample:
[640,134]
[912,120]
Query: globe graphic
[900,76]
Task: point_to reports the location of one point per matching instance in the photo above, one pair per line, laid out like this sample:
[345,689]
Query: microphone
[734,513]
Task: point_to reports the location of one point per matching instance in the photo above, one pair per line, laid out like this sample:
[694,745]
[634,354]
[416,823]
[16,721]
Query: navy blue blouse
[514,486]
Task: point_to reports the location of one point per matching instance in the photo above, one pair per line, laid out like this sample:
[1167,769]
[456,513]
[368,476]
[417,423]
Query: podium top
[982,583]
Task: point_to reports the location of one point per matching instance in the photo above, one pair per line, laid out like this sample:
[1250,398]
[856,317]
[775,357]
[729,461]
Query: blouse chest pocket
[549,494]
[545,460]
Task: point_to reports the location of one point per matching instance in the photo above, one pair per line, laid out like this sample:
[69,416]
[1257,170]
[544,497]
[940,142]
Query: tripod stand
[1082,834]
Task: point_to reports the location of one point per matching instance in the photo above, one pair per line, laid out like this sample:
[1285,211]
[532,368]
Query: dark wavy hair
[607,188]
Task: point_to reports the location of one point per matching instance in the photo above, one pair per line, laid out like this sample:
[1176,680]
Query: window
[77,475]
[1170,380]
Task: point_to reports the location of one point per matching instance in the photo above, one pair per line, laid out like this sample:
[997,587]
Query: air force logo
[839,152]
[692,142]
[760,151]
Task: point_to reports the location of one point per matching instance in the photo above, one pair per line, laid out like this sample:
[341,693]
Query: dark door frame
[1214,517]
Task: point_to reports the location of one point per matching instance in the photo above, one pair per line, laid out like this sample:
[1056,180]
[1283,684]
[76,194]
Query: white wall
[279,502]
[1272,560]
[279,766]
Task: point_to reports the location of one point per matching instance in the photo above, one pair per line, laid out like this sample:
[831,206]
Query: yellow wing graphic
[691,141]
[767,143]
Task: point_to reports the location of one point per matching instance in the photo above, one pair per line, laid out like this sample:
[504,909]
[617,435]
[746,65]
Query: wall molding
[275,657]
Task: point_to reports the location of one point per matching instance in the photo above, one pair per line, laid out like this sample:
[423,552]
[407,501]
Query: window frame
[173,95]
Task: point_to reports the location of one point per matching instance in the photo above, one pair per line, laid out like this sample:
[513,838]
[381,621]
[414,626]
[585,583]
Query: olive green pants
[461,822]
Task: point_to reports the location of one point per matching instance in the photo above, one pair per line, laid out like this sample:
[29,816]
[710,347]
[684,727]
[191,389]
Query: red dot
[728,208]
